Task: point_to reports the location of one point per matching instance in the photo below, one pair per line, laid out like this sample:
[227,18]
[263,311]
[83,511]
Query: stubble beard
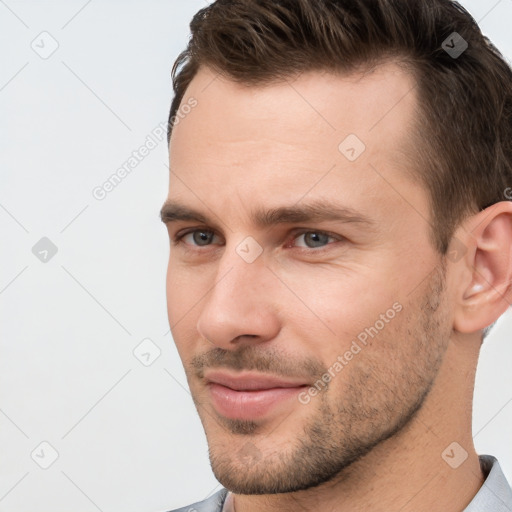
[376,403]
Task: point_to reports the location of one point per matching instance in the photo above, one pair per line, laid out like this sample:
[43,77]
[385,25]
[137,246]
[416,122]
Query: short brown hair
[464,137]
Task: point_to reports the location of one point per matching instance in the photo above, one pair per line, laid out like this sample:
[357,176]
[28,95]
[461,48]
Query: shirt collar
[495,495]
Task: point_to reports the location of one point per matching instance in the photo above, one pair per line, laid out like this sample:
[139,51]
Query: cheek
[174,292]
[342,303]
[183,307]
[357,315]
[184,291]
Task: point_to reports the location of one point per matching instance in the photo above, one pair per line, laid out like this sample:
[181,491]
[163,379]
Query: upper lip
[251,381]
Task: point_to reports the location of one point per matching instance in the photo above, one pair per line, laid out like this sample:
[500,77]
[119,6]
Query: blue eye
[314,239]
[204,237]
[200,237]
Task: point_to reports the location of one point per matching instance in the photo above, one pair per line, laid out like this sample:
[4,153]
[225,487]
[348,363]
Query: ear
[485,290]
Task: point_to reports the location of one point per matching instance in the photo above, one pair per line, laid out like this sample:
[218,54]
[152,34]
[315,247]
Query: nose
[240,308]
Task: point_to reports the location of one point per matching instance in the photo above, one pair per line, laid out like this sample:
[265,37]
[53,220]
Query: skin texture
[373,438]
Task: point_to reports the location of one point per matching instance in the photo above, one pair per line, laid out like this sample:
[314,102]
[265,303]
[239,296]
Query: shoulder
[213,504]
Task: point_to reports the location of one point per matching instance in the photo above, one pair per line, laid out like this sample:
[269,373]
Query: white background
[127,435]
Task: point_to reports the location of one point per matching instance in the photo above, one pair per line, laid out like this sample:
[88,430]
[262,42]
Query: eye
[311,239]
[314,239]
[197,237]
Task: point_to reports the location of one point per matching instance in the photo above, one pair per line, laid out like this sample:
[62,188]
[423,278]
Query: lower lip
[246,405]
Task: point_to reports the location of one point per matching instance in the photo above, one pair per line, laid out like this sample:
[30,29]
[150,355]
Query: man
[340,244]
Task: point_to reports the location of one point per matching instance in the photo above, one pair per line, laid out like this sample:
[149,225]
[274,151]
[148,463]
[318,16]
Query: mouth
[249,396]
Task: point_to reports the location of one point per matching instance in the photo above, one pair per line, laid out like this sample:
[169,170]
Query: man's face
[307,340]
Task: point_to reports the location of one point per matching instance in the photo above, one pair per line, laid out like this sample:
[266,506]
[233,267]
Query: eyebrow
[315,211]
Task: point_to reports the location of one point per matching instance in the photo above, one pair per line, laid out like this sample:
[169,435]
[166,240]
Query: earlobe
[487,268]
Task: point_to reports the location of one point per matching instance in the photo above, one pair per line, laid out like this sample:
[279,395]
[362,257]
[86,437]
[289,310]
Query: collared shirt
[495,495]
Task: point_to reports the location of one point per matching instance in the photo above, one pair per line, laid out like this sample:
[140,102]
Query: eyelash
[178,239]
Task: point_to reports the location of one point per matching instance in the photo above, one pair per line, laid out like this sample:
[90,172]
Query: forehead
[360,101]
[320,133]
